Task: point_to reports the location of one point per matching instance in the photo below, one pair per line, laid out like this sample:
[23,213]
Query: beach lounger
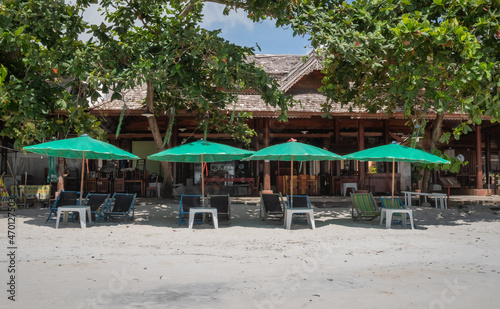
[223,205]
[386,202]
[188,201]
[65,198]
[271,206]
[97,203]
[299,201]
[120,204]
[364,207]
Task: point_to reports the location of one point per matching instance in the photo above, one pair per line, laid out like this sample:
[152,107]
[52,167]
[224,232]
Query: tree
[185,67]
[41,95]
[418,56]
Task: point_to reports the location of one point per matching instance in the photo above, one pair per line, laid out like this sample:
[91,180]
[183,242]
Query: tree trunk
[167,187]
[435,135]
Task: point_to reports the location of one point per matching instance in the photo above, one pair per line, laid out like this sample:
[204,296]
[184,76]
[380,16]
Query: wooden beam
[361,146]
[267,165]
[479,160]
[312,135]
[183,135]
[209,135]
[355,134]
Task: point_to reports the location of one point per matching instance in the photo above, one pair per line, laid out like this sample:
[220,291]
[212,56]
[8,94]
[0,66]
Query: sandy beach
[451,260]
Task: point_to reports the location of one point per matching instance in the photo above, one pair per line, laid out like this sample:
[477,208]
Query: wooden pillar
[361,146]
[257,147]
[267,164]
[174,142]
[337,141]
[487,162]
[386,142]
[479,161]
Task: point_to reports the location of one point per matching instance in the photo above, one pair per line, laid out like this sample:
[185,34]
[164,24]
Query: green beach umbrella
[395,153]
[83,147]
[201,151]
[293,150]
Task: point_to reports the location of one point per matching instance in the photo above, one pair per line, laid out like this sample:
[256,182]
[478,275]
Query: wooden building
[347,131]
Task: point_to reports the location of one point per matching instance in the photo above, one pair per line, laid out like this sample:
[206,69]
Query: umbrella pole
[291,184]
[81,181]
[202,184]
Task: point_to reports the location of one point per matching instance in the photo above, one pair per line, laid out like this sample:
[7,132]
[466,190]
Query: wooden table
[250,181]
[140,181]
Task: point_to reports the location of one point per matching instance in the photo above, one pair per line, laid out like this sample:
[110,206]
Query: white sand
[452,260]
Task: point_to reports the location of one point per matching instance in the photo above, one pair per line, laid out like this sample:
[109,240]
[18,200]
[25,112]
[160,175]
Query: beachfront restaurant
[348,130]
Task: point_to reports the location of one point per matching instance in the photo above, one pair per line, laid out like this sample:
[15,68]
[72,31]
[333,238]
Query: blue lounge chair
[120,204]
[188,201]
[97,203]
[299,201]
[65,198]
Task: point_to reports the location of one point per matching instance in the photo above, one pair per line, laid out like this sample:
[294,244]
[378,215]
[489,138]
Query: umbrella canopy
[395,152]
[199,152]
[293,150]
[83,147]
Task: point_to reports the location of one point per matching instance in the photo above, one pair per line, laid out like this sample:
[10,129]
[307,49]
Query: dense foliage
[41,93]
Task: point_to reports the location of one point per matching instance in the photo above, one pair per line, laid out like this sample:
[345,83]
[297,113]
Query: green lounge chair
[364,207]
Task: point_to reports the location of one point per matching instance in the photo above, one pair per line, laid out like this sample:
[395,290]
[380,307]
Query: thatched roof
[287,70]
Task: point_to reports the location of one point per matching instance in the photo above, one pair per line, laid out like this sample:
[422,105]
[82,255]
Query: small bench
[195,210]
[83,210]
[289,212]
[388,212]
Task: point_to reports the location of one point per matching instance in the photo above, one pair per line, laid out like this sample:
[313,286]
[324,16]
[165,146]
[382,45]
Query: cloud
[235,21]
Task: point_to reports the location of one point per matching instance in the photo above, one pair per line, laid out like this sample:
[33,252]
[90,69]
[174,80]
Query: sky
[240,30]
